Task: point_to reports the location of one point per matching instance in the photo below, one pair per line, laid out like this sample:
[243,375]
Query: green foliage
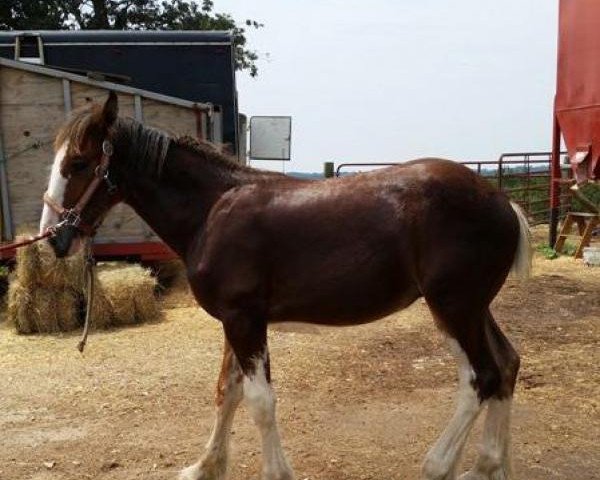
[535,191]
[129,15]
[592,192]
[547,251]
[569,249]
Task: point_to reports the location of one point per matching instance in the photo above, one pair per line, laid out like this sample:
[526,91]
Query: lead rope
[89,273]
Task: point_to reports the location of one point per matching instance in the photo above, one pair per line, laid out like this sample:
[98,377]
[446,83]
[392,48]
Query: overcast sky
[391,80]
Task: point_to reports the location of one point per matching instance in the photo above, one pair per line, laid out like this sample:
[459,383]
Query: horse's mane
[76,127]
[211,152]
[146,147]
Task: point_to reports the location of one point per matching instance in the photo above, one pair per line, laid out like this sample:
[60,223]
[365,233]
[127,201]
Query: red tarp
[577,104]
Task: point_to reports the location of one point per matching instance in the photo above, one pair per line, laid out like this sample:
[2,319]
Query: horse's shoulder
[237,207]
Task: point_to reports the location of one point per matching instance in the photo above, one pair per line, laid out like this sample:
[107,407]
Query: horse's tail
[522,262]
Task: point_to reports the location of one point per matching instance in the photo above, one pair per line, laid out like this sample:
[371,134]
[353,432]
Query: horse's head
[81,191]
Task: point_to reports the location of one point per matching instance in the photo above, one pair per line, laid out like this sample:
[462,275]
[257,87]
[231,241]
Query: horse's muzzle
[66,241]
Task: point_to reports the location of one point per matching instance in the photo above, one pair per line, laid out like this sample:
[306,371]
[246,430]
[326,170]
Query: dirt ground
[354,404]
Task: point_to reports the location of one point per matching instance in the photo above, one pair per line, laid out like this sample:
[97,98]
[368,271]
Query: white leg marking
[493,462]
[442,460]
[56,189]
[261,403]
[213,464]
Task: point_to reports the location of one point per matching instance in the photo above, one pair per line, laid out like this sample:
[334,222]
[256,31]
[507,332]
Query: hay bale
[131,293]
[19,311]
[28,265]
[37,266]
[146,307]
[61,272]
[43,310]
[67,305]
[47,294]
[103,316]
[44,291]
[146,304]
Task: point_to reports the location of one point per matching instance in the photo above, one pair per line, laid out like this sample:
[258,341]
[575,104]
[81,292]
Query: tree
[129,15]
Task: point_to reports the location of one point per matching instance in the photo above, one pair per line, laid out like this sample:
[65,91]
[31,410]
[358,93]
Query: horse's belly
[356,291]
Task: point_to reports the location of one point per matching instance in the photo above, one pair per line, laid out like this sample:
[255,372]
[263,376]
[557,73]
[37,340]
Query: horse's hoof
[189,473]
[473,476]
[499,474]
[280,476]
[198,472]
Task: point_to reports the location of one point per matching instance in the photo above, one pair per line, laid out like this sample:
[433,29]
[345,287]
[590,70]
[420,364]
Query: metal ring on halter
[100,171]
[71,217]
[112,188]
[107,148]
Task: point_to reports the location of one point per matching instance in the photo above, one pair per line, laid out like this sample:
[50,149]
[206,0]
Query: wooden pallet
[586,223]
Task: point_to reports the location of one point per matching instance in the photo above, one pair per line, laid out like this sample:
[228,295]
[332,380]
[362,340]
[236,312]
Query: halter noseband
[72,216]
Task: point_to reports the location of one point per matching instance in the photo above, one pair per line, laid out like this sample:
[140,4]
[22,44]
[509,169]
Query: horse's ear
[110,111]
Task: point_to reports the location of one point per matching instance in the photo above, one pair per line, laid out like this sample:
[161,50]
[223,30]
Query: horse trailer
[180,82]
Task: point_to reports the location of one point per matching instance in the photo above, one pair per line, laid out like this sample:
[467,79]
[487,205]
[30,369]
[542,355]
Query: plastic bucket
[591,256]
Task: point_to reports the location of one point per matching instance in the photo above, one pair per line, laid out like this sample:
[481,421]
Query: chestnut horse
[262,247]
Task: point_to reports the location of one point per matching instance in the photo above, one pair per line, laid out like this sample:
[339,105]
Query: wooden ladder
[586,222]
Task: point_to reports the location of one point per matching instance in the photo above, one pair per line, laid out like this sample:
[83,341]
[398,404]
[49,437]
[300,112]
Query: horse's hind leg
[493,462]
[488,367]
[213,465]
[487,370]
[442,459]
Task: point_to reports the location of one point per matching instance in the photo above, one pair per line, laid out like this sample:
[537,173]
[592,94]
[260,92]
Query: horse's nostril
[54,244]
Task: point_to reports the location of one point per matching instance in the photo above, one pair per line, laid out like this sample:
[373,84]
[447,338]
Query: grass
[547,252]
[550,254]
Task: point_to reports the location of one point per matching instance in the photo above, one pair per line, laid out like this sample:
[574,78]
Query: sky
[393,80]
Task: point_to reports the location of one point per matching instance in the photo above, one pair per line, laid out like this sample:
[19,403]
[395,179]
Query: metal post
[7,227]
[67,96]
[40,44]
[328,169]
[17,47]
[199,113]
[555,182]
[528,191]
[137,107]
[500,171]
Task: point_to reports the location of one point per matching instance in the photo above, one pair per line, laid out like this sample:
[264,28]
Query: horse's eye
[78,166]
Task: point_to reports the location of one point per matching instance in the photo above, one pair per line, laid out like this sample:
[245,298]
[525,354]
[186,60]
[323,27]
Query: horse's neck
[176,204]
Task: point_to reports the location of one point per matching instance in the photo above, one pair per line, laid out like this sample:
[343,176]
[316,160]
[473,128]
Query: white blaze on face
[56,189]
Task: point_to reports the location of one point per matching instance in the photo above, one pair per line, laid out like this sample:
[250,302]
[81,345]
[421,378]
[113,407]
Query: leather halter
[72,216]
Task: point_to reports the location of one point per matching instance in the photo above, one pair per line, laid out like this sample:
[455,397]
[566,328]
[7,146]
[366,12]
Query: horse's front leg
[249,341]
[213,464]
